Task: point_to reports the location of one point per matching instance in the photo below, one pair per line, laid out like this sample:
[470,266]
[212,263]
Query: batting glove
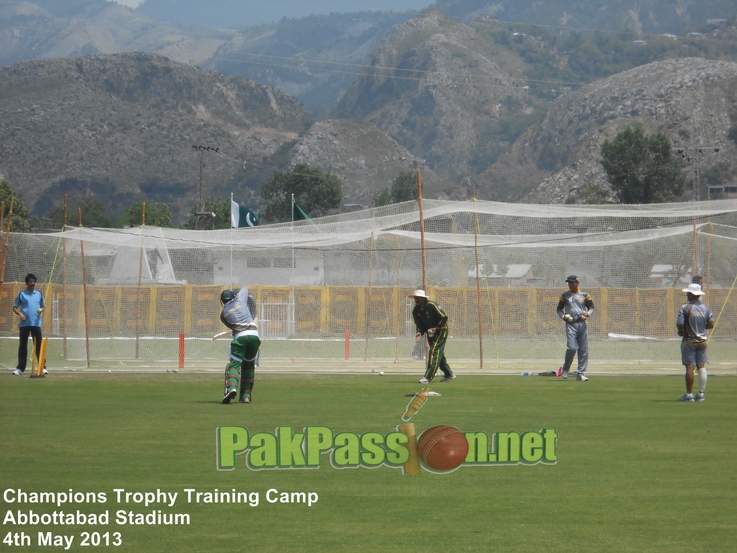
[585,315]
[567,318]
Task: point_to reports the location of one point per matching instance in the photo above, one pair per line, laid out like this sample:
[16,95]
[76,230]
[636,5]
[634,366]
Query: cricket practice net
[334,290]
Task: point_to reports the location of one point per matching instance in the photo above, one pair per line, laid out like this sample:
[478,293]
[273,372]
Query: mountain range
[516,111]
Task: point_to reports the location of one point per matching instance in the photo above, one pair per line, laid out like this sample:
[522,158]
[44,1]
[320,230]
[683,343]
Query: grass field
[637,470]
[204,352]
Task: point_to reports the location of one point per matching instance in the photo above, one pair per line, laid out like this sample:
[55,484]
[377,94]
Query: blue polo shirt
[29,304]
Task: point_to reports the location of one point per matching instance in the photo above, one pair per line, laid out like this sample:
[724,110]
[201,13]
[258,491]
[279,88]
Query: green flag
[298,214]
[241,217]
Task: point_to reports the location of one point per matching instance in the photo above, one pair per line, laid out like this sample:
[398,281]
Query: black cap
[226,296]
[572,278]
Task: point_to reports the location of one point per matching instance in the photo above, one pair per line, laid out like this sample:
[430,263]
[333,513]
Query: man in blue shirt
[28,305]
[694,319]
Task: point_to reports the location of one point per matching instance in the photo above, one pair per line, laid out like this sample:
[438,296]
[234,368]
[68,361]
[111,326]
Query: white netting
[147,288]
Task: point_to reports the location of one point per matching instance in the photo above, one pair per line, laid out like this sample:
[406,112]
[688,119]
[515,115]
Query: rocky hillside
[37,29]
[693,101]
[652,16]
[365,159]
[451,93]
[121,127]
[238,14]
[315,59]
[446,91]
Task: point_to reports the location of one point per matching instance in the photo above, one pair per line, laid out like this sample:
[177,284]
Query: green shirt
[431,315]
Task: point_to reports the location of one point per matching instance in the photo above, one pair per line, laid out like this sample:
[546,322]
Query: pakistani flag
[241,217]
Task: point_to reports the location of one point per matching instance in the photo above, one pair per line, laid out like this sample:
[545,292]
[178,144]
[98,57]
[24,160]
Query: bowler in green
[431,320]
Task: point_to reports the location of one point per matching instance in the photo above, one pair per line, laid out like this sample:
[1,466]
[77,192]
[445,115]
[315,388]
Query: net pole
[400,307]
[707,276]
[693,249]
[422,232]
[2,223]
[368,300]
[138,291]
[2,249]
[5,246]
[7,242]
[64,282]
[231,242]
[422,246]
[291,308]
[84,294]
[478,281]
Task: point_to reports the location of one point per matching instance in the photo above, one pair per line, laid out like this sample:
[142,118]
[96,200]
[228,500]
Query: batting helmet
[226,296]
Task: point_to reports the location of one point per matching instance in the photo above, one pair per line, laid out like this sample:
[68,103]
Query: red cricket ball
[442,447]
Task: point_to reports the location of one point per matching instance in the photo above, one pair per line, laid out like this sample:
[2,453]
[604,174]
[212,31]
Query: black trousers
[25,331]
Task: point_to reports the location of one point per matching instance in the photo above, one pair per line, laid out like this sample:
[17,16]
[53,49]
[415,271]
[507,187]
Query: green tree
[221,209]
[404,188]
[20,212]
[157,215]
[642,168]
[383,198]
[93,214]
[314,191]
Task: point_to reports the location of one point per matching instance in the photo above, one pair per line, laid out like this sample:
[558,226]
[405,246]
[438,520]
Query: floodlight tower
[693,155]
[203,215]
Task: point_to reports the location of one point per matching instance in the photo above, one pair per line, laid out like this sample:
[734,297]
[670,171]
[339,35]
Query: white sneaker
[686,397]
[45,372]
[582,378]
[17,372]
[699,397]
[424,381]
[449,378]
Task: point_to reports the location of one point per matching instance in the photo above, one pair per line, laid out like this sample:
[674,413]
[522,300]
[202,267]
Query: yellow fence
[322,310]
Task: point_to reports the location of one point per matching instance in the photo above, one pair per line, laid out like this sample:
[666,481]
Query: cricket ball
[442,447]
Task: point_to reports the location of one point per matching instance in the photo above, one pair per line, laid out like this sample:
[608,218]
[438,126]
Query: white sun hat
[694,289]
[418,294]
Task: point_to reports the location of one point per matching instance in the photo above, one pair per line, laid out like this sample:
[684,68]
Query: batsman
[240,372]
[430,319]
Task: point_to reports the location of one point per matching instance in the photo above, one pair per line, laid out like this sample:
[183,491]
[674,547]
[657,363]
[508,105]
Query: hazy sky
[338,4]
[129,3]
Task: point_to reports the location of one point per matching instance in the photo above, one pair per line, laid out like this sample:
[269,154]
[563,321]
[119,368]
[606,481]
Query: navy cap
[572,278]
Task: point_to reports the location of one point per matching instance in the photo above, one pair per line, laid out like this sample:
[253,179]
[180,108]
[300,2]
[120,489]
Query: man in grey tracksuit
[574,307]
